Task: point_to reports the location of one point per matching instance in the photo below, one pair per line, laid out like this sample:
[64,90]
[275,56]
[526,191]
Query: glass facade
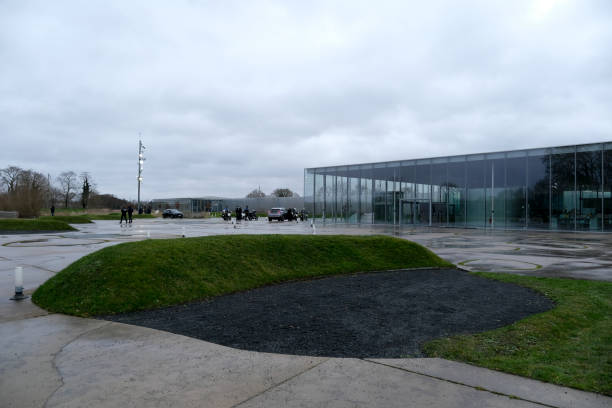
[566,188]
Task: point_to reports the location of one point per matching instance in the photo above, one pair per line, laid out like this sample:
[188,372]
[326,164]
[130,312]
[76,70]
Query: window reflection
[564,188]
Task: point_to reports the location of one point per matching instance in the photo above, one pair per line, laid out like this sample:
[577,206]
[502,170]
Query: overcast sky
[229,95]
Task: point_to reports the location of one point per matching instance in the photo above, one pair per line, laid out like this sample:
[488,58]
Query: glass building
[557,188]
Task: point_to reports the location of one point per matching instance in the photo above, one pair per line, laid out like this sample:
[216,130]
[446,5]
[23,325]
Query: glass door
[414,212]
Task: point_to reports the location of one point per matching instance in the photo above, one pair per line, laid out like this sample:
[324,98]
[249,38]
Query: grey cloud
[232,95]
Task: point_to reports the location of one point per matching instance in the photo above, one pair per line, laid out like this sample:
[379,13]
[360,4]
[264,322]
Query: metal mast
[141,159]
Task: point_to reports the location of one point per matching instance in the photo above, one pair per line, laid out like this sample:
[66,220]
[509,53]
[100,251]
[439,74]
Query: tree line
[28,191]
[279,192]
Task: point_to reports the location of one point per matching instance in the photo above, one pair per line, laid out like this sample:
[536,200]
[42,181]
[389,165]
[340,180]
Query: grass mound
[70,219]
[33,225]
[155,273]
[569,345]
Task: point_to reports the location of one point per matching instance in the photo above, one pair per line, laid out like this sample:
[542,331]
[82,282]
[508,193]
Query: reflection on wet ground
[578,255]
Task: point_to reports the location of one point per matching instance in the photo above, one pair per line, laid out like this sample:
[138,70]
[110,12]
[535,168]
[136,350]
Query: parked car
[172,213]
[278,214]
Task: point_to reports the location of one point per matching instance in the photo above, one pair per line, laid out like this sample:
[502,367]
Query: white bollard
[183,232]
[19,277]
[19,284]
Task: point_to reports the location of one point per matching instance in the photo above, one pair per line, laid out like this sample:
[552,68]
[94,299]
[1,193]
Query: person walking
[238,214]
[130,211]
[52,210]
[123,215]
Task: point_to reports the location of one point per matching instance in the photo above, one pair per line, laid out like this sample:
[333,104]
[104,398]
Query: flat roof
[465,155]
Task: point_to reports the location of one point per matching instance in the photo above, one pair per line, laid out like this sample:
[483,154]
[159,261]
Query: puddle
[491,264]
[65,242]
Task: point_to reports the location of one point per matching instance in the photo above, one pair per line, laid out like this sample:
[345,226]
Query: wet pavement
[56,360]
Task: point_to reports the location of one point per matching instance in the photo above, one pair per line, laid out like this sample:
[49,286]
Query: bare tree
[52,193]
[9,177]
[67,182]
[257,193]
[26,195]
[106,201]
[87,188]
[282,192]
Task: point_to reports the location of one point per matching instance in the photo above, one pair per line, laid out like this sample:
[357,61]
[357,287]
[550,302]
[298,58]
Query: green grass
[117,216]
[155,273]
[70,219]
[33,225]
[570,345]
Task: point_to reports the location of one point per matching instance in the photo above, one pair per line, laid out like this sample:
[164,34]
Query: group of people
[126,214]
[241,214]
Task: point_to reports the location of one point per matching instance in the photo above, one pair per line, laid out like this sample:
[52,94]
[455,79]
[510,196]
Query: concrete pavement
[56,360]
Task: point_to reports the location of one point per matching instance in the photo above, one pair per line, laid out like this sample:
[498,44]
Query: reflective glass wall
[607,182]
[560,188]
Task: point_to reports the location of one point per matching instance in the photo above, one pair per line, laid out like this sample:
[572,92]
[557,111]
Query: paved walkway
[57,360]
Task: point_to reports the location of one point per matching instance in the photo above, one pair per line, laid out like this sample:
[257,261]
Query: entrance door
[414,212]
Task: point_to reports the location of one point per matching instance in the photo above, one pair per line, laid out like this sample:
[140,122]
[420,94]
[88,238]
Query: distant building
[198,207]
[556,188]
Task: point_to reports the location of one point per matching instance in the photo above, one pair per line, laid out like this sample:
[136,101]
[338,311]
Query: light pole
[141,160]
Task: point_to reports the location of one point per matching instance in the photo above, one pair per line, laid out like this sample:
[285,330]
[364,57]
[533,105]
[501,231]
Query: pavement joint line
[57,353]
[26,317]
[477,388]
[280,383]
[41,268]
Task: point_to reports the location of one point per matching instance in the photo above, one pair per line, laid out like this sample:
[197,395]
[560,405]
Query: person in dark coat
[123,215]
[238,214]
[130,211]
[52,210]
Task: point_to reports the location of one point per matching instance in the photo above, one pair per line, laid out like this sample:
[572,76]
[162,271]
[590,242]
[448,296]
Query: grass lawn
[155,273]
[33,225]
[70,219]
[569,345]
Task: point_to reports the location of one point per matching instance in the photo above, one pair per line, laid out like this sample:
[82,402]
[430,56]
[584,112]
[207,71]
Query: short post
[19,284]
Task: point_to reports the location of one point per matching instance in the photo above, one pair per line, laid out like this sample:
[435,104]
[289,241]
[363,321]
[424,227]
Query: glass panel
[607,164]
[341,198]
[538,184]
[562,188]
[408,179]
[439,196]
[516,179]
[589,194]
[330,197]
[496,193]
[353,199]
[456,192]
[380,193]
[365,201]
[423,180]
[366,195]
[476,192]
[408,188]
[319,196]
[308,190]
[393,193]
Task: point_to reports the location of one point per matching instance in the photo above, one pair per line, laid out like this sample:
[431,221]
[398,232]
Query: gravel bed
[383,314]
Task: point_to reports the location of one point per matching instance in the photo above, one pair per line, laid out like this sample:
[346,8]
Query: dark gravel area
[384,314]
